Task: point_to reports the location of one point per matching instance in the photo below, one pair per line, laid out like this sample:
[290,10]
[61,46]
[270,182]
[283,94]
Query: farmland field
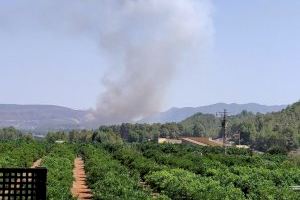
[152,171]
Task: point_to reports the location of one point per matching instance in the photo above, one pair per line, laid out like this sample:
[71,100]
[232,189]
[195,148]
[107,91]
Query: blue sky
[254,58]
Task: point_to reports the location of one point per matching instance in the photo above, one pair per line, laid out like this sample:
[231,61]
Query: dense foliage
[182,184]
[192,172]
[20,153]
[108,178]
[254,176]
[59,162]
[10,133]
[275,132]
[141,171]
[118,170]
[168,180]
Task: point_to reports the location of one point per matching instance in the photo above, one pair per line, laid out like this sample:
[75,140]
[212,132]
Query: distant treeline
[273,131]
[10,133]
[278,131]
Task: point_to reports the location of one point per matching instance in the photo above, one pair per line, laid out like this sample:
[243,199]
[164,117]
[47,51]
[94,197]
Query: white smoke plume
[143,42]
[148,39]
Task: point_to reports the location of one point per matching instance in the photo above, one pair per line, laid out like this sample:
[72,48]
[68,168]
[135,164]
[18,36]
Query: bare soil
[37,163]
[80,190]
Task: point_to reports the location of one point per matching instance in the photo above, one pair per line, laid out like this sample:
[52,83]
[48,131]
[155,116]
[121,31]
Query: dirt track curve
[80,189]
[37,163]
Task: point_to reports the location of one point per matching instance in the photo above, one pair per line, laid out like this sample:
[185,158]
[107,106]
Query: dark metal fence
[23,183]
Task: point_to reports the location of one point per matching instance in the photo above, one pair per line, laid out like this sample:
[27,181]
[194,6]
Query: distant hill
[40,118]
[208,124]
[276,130]
[179,114]
[43,118]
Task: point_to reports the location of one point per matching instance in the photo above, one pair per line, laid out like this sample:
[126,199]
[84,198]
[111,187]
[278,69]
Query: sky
[254,57]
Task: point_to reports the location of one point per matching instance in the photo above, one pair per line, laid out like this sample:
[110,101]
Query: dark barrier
[23,183]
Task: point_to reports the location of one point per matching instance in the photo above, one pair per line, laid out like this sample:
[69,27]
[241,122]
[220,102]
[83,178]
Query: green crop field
[153,171]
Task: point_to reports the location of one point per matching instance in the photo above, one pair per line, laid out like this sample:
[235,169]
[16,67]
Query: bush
[277,150]
[108,178]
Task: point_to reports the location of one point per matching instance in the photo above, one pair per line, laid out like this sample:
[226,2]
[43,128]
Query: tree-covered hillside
[277,129]
[201,125]
[262,132]
[179,114]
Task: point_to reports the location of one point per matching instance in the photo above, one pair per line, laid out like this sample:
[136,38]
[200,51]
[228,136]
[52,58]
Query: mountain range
[179,114]
[43,118]
[40,118]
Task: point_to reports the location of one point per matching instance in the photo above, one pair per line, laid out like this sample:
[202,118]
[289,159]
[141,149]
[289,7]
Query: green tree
[198,130]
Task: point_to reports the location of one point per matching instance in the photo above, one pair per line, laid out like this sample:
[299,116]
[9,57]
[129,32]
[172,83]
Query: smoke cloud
[147,39]
[142,42]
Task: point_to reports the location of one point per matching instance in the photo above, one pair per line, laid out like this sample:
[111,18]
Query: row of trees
[115,134]
[242,174]
[85,136]
[277,132]
[108,178]
[193,172]
[20,153]
[116,170]
[59,161]
[271,132]
[10,133]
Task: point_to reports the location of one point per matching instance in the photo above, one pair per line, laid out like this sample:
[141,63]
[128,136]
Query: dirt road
[80,189]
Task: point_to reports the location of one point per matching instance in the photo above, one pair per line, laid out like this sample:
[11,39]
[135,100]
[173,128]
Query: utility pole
[224,127]
[239,137]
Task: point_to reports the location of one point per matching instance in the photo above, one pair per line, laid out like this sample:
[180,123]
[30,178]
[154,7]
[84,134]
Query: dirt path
[80,189]
[147,187]
[37,163]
